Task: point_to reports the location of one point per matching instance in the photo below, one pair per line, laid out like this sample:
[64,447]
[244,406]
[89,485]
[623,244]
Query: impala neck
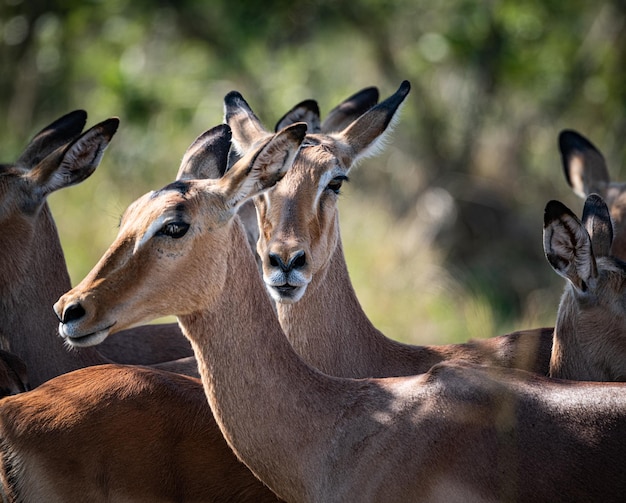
[330,330]
[263,396]
[572,355]
[28,326]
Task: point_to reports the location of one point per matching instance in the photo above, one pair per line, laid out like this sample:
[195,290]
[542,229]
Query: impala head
[298,219]
[586,172]
[171,242]
[593,306]
[58,156]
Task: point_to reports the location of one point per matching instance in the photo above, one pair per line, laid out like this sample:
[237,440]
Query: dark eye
[335,183]
[174,230]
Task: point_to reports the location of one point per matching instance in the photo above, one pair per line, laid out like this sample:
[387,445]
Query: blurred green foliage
[443,229]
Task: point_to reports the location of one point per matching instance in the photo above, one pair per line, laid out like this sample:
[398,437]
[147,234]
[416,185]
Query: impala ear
[349,110]
[45,142]
[306,111]
[207,156]
[264,167]
[583,164]
[597,222]
[76,162]
[245,125]
[365,136]
[567,246]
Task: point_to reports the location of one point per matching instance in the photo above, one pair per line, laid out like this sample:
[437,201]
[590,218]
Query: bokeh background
[443,230]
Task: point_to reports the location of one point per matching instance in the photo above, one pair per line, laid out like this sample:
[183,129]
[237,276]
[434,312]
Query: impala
[586,172]
[590,331]
[32,266]
[113,433]
[459,432]
[303,262]
[124,433]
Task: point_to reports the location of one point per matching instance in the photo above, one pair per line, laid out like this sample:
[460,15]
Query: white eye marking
[153,228]
[325,179]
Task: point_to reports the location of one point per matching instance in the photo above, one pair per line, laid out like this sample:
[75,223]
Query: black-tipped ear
[350,109]
[567,246]
[597,221]
[583,164]
[264,166]
[366,134]
[77,161]
[207,156]
[306,111]
[246,126]
[234,102]
[50,138]
[555,210]
[396,99]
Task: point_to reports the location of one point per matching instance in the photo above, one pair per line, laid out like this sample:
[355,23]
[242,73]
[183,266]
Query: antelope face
[298,220]
[153,263]
[168,258]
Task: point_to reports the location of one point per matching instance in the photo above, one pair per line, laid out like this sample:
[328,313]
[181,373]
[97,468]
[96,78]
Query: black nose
[296,261]
[72,312]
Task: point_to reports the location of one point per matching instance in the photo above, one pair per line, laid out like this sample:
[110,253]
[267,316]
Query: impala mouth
[286,293]
[286,289]
[83,340]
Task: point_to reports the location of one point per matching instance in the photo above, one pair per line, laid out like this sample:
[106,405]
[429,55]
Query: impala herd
[274,385]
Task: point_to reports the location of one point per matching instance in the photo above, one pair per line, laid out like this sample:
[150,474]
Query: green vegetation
[443,229]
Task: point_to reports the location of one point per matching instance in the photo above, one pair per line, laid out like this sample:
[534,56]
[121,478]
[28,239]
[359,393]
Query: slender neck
[28,325]
[263,396]
[571,358]
[330,330]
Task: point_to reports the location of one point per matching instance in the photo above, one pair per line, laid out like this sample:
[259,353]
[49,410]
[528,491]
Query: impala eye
[336,183]
[174,230]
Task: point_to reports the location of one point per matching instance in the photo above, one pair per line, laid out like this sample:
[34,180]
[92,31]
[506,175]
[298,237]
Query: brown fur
[459,433]
[33,268]
[119,433]
[589,340]
[327,326]
[590,332]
